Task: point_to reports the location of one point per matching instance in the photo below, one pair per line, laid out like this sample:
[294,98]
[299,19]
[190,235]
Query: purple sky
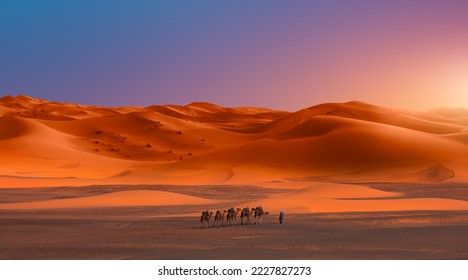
[278,54]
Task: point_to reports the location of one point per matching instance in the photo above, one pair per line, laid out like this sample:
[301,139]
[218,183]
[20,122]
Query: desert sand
[130,182]
[173,231]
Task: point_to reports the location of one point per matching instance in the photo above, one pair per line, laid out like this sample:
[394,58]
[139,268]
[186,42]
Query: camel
[246,213]
[218,218]
[205,217]
[223,215]
[258,214]
[238,210]
[252,212]
[231,215]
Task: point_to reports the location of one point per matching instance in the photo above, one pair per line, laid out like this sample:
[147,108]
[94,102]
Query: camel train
[229,217]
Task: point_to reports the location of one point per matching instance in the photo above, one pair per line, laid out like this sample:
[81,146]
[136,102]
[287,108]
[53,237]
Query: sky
[278,54]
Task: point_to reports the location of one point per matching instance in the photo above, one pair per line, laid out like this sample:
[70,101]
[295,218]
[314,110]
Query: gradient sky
[278,54]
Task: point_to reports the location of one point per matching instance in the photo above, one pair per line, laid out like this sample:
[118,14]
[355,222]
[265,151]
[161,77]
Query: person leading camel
[281,216]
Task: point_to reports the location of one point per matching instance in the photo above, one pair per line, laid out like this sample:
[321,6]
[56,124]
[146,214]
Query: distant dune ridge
[50,143]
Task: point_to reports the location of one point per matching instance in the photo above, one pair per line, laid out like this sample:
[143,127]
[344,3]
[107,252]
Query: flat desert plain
[356,181]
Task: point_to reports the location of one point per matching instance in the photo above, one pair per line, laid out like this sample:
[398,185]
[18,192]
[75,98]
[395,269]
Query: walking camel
[223,216]
[238,210]
[205,217]
[258,214]
[218,218]
[231,215]
[246,213]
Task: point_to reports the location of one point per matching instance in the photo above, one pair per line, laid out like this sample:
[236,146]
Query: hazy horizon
[246,105]
[279,108]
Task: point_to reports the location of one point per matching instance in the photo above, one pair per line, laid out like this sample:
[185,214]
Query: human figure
[281,216]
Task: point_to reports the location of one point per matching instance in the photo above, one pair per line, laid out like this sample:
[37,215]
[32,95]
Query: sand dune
[294,204]
[456,116]
[226,118]
[423,122]
[327,197]
[436,173]
[31,149]
[122,198]
[205,143]
[4,110]
[336,146]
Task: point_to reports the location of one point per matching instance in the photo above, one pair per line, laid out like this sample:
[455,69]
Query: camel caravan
[229,217]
